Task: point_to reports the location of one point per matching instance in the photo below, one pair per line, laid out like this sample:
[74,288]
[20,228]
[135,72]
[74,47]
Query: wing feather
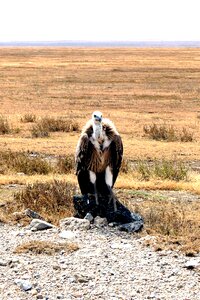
[116,148]
[83,153]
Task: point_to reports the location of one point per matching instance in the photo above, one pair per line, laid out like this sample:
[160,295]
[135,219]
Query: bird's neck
[97,131]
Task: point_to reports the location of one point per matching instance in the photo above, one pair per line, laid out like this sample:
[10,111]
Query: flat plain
[134,87]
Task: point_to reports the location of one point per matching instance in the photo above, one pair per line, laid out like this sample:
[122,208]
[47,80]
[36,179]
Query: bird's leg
[109,182]
[96,194]
[112,198]
[93,181]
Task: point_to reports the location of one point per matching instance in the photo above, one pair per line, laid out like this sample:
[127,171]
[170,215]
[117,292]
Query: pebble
[121,246]
[192,264]
[98,221]
[67,234]
[25,285]
[3,263]
[89,217]
[74,224]
[37,224]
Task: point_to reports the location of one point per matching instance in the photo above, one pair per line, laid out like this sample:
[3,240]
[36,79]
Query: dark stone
[32,214]
[134,226]
[122,216]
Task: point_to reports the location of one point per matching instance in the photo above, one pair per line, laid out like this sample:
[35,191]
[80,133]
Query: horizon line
[159,43]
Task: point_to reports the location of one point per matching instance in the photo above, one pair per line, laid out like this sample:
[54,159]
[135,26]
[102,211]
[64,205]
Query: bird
[98,157]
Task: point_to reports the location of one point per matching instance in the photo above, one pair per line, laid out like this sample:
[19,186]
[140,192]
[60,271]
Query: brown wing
[83,153]
[116,148]
[82,160]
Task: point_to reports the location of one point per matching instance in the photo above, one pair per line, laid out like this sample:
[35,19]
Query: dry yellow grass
[45,247]
[133,87]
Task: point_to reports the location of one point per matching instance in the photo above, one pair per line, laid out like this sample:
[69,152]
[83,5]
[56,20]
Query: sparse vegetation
[46,247]
[4,126]
[28,118]
[160,132]
[23,162]
[52,200]
[49,124]
[171,170]
[39,131]
[65,164]
[125,166]
[30,164]
[186,136]
[174,223]
[167,133]
[174,226]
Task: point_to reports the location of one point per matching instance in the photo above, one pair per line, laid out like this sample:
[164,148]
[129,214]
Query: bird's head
[97,117]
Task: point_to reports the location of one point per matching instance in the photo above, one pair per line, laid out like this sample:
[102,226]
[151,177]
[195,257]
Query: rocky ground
[109,264]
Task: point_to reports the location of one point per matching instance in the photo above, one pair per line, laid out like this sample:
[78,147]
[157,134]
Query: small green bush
[144,169]
[171,170]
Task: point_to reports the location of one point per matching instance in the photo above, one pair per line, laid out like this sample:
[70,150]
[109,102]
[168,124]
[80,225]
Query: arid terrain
[133,87]
[136,88]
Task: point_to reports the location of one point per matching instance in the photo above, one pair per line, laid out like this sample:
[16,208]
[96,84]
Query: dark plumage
[98,156]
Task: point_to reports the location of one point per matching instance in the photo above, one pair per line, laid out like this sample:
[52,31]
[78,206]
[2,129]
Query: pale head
[97,117]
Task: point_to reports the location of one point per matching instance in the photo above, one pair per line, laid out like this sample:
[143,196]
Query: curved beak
[98,119]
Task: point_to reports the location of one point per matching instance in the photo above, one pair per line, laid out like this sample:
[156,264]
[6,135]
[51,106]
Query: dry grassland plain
[131,86]
[134,87]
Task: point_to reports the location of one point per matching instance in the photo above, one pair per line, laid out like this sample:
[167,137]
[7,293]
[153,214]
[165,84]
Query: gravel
[109,264]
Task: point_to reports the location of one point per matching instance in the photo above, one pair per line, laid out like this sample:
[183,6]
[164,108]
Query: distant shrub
[160,132]
[16,130]
[28,118]
[52,200]
[167,133]
[39,131]
[4,126]
[60,124]
[50,124]
[171,170]
[186,136]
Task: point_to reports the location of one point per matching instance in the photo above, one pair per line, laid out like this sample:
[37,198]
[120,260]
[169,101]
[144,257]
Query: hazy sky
[133,20]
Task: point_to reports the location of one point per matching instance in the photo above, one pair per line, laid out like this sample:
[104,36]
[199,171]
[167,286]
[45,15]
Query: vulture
[98,157]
